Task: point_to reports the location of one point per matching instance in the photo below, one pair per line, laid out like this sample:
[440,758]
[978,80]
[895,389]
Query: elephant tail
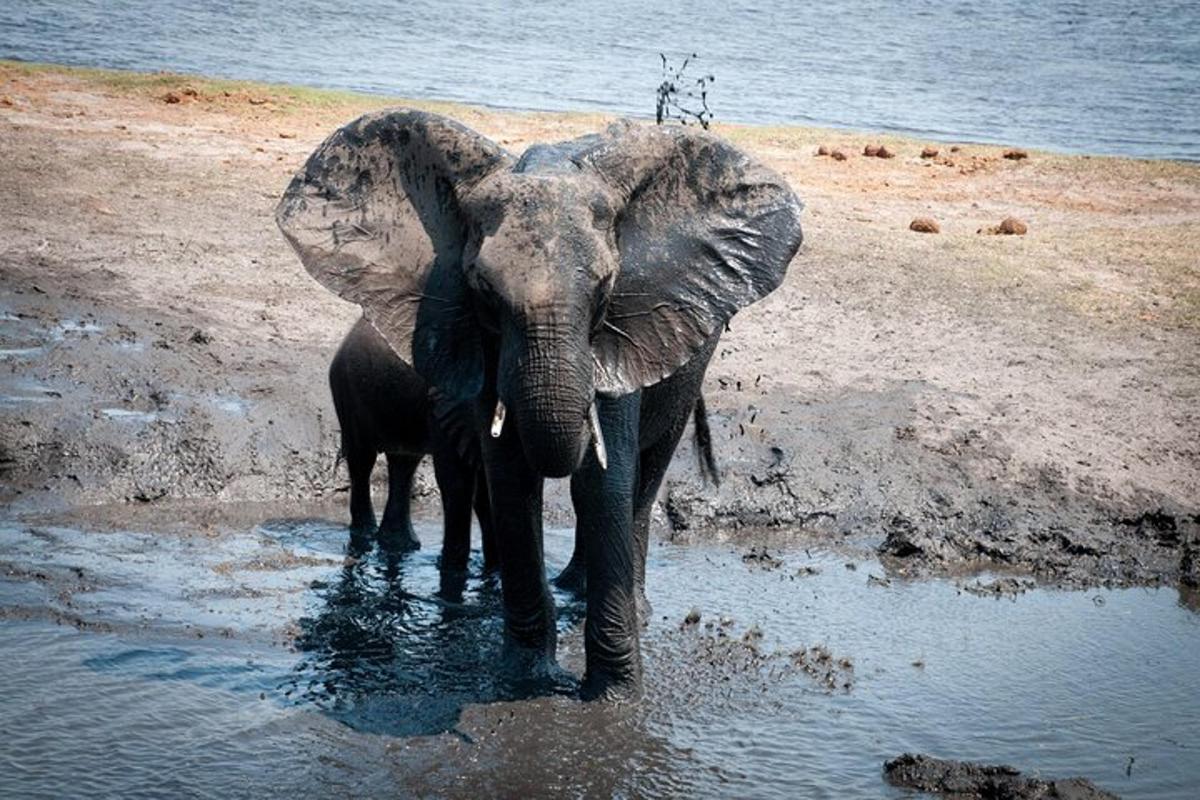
[704,451]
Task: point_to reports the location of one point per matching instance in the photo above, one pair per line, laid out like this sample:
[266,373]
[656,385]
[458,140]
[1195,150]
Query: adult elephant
[574,296]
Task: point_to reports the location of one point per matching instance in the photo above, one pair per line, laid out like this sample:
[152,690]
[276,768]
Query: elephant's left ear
[703,231]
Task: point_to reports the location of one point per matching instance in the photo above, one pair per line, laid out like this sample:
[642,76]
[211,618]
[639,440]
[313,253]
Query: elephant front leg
[603,500]
[516,511]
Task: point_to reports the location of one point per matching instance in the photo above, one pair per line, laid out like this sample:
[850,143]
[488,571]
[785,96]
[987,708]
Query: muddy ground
[963,400]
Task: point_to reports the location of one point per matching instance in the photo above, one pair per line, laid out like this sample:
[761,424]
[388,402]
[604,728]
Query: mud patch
[965,781]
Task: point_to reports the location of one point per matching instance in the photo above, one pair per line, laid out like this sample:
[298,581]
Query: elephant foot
[620,686]
[398,540]
[532,672]
[573,579]
[362,539]
[452,584]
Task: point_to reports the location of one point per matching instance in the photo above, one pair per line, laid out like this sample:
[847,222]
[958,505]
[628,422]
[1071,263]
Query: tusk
[498,419]
[597,437]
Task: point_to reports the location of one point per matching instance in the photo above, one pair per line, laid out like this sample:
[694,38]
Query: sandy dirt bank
[964,400]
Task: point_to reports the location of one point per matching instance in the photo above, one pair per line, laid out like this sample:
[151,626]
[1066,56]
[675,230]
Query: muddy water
[264,663]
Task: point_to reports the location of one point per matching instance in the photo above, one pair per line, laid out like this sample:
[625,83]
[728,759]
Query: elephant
[572,297]
[384,406]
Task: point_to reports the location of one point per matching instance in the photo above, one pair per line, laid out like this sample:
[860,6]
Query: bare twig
[678,96]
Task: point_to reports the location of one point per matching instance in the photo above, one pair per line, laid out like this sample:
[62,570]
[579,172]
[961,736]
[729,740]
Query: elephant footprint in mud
[571,299]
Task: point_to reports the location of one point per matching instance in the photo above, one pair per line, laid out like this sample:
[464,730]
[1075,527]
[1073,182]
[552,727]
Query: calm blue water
[1102,76]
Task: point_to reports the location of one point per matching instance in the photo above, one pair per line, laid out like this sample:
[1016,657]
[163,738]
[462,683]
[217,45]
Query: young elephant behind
[384,406]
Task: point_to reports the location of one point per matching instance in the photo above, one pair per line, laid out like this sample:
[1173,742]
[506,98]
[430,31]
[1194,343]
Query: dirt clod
[871,150]
[924,225]
[838,155]
[760,557]
[929,152]
[967,781]
[1009,226]
[1015,154]
[822,150]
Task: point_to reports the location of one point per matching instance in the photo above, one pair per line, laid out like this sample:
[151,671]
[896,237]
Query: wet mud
[106,402]
[261,643]
[965,781]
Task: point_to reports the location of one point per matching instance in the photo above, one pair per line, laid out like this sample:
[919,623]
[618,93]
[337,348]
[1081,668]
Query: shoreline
[142,79]
[966,401]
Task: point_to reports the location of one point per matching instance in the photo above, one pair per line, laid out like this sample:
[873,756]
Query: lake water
[261,663]
[1103,76]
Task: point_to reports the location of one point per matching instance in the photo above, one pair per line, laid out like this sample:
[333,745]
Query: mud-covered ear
[374,215]
[704,231]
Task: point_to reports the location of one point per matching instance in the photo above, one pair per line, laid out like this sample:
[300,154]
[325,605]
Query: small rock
[6,101]
[1015,154]
[838,155]
[200,337]
[692,618]
[822,150]
[929,152]
[1011,226]
[883,152]
[871,150]
[285,135]
[188,91]
[257,101]
[171,98]
[955,149]
[924,225]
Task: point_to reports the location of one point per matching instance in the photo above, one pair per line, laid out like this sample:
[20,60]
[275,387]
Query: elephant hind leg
[652,469]
[395,531]
[360,461]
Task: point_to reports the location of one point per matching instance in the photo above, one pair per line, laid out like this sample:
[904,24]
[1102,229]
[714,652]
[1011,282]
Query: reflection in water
[384,658]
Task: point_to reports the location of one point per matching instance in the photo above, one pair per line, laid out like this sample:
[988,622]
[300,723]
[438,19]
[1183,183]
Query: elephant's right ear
[375,216]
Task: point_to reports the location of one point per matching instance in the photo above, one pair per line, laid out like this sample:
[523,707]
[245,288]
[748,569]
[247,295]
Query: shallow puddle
[267,664]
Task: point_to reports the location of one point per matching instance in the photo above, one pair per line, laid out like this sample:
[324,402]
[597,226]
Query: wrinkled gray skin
[384,406]
[600,270]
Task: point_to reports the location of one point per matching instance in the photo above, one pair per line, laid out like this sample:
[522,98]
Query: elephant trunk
[552,392]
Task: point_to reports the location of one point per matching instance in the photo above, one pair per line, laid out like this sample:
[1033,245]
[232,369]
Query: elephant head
[599,265]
